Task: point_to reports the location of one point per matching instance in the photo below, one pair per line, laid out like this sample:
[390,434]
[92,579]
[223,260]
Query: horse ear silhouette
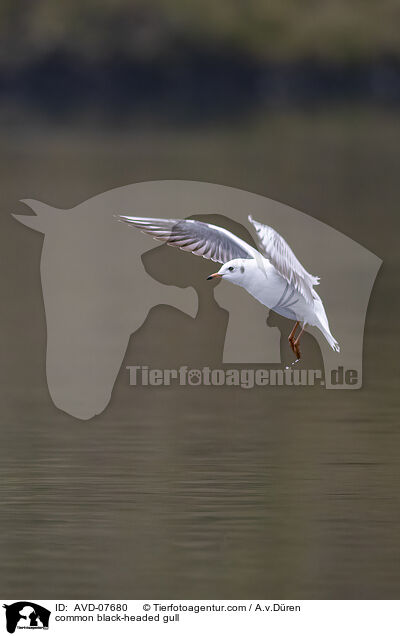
[45,215]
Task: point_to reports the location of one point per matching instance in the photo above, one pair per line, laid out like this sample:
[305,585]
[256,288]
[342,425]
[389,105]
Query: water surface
[200,492]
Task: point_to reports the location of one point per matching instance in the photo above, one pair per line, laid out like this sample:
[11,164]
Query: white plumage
[272,274]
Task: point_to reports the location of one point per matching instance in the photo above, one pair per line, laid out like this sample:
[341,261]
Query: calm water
[195,492]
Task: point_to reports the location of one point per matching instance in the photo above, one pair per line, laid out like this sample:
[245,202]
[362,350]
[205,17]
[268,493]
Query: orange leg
[291,336]
[296,346]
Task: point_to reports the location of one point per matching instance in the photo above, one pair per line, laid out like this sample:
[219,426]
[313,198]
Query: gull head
[235,271]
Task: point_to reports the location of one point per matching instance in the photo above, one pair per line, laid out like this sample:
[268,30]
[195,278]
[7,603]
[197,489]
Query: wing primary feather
[274,247]
[203,239]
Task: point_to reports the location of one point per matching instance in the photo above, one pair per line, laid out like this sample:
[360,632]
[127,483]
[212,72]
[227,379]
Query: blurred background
[190,492]
[198,58]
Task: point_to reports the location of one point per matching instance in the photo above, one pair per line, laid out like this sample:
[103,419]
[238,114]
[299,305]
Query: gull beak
[214,276]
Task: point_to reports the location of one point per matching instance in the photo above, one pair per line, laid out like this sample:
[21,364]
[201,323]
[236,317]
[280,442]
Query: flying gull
[272,274]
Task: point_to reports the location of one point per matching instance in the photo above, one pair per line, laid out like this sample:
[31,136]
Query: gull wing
[203,239]
[274,247]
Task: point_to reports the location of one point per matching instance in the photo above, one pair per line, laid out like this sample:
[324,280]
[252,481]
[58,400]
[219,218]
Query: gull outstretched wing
[274,247]
[203,239]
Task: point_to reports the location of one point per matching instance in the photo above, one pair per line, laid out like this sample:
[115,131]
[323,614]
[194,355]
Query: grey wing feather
[278,252]
[203,239]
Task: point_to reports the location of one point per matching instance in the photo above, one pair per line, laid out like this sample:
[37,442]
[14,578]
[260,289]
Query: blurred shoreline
[196,61]
[201,89]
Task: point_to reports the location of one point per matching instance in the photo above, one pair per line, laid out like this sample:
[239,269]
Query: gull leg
[291,336]
[296,346]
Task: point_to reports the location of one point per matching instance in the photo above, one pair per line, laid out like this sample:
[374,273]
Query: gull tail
[333,343]
[322,322]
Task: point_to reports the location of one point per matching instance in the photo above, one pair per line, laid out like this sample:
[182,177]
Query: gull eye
[231,268]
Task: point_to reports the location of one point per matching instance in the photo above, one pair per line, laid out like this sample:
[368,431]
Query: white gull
[272,274]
